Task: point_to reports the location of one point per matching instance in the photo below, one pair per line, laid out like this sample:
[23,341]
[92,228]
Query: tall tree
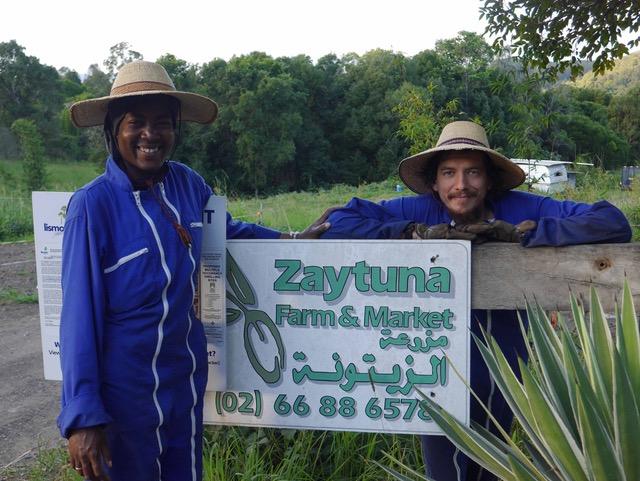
[29,90]
[96,83]
[557,36]
[266,123]
[624,112]
[120,54]
[32,154]
[420,121]
[371,82]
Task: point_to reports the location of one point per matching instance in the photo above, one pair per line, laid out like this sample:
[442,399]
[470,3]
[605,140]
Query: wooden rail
[503,274]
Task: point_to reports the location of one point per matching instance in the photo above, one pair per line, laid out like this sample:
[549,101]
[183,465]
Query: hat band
[462,140]
[140,87]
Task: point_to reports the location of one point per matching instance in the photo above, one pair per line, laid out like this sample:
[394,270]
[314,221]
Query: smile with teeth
[149,150]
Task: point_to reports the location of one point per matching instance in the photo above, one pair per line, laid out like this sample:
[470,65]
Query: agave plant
[578,400]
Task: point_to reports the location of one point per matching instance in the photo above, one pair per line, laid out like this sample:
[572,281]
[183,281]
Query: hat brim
[193,107]
[412,169]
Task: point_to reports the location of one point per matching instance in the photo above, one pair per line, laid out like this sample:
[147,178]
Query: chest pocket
[195,230]
[133,278]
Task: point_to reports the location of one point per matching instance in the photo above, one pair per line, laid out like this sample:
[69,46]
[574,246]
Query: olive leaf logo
[240,293]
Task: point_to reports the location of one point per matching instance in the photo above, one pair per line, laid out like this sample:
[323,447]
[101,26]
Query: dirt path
[28,403]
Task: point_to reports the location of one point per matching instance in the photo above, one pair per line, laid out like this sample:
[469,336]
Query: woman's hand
[315,230]
[89,453]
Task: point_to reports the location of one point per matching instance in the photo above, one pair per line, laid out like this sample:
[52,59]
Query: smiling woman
[144,133]
[132,351]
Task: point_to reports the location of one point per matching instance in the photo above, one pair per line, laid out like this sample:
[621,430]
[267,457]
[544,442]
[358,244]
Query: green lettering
[447,315]
[291,268]
[434,320]
[397,319]
[420,320]
[336,282]
[439,280]
[377,285]
[322,317]
[373,318]
[282,312]
[360,270]
[407,273]
[313,279]
[295,318]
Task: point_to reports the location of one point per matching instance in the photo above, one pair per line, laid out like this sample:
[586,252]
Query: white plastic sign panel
[212,289]
[49,211]
[340,335]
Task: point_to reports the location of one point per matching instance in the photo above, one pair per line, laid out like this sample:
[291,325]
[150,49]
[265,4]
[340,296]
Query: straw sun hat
[461,135]
[143,78]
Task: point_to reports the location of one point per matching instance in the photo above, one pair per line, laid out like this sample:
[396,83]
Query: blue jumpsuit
[133,354]
[559,223]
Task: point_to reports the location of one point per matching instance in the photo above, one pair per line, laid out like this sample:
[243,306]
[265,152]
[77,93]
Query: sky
[76,34]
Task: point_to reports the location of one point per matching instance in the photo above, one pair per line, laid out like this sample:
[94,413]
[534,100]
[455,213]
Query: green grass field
[15,203]
[285,212]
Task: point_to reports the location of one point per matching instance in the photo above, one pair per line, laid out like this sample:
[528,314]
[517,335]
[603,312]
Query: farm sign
[340,335]
[337,335]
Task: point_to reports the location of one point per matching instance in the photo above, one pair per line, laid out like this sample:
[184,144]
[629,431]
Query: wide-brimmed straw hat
[460,135]
[144,78]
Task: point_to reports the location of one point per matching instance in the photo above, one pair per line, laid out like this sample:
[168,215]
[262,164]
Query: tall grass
[285,212]
[16,222]
[246,454]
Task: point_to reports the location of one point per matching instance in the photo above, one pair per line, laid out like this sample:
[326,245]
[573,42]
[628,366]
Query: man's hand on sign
[315,230]
[441,231]
[497,230]
[88,453]
[476,232]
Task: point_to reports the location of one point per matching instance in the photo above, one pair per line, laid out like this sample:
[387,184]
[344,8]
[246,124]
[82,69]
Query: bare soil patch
[28,404]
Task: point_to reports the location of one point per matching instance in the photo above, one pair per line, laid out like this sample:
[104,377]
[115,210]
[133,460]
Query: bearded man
[465,192]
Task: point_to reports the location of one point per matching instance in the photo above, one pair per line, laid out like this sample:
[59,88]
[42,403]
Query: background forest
[290,123]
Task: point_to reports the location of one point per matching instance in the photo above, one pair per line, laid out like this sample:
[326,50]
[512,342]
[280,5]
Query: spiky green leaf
[522,472]
[629,337]
[554,374]
[600,453]
[602,343]
[626,417]
[556,436]
[471,443]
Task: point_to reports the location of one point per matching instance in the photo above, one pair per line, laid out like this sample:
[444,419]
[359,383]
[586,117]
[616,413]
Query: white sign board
[334,335]
[339,335]
[49,211]
[212,289]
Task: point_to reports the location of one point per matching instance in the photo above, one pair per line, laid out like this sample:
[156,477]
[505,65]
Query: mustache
[462,193]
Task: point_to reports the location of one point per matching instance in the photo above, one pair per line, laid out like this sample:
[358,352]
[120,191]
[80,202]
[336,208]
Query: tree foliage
[32,154]
[290,123]
[120,54]
[557,36]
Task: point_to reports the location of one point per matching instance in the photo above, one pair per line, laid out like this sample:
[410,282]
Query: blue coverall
[133,354]
[560,223]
